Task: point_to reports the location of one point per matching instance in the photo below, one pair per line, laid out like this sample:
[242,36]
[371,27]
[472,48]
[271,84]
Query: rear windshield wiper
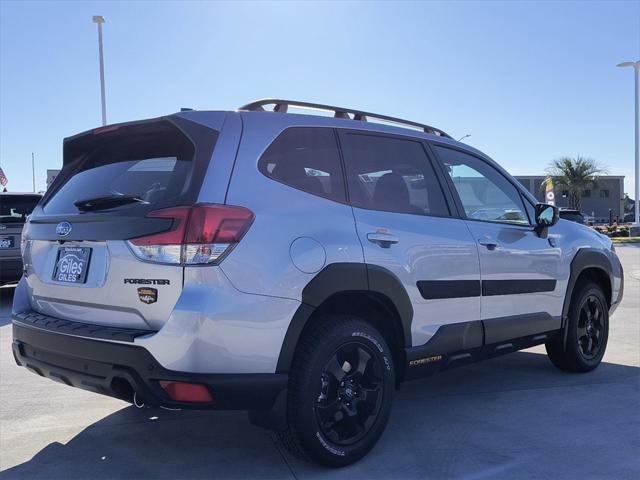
[104,203]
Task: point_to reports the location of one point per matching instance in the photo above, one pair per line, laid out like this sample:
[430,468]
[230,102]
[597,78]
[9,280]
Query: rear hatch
[14,209]
[79,263]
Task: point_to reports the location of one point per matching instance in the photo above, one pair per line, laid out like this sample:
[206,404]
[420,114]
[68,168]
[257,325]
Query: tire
[586,334]
[340,391]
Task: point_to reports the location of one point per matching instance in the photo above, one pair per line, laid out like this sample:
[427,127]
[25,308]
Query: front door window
[484,192]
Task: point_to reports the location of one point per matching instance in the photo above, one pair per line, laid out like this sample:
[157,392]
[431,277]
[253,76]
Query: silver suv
[296,266]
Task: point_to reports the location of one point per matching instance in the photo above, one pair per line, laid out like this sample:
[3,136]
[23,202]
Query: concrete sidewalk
[511,417]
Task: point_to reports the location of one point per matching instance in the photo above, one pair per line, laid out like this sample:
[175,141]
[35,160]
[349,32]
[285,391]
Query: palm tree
[574,174]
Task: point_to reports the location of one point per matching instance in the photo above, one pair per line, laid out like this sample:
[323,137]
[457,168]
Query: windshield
[15,208]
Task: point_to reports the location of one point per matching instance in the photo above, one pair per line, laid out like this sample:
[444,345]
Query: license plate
[72,264]
[6,242]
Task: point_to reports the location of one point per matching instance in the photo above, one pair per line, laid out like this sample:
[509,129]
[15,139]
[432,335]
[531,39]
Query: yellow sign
[549,196]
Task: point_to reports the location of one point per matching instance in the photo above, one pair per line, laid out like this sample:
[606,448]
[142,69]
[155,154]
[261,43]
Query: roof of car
[282,106]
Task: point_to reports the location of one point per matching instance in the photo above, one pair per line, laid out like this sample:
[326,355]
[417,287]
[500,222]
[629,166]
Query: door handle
[487,242]
[384,240]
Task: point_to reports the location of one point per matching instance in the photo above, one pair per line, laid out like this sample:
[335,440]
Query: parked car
[629,217]
[14,209]
[572,215]
[297,266]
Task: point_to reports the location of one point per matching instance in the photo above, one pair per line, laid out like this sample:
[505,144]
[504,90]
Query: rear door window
[307,159]
[391,174]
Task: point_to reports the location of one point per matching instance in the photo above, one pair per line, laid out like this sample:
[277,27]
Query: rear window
[152,162]
[15,208]
[307,159]
[391,174]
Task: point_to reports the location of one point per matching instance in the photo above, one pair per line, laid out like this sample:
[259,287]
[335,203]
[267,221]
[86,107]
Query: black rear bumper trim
[118,370]
[69,327]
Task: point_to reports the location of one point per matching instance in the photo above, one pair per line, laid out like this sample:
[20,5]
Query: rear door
[522,274]
[406,226]
[79,264]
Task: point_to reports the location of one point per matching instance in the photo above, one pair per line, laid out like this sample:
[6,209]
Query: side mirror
[546,216]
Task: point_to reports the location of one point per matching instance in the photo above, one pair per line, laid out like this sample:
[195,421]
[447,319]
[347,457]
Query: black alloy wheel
[581,344]
[350,395]
[590,327]
[340,391]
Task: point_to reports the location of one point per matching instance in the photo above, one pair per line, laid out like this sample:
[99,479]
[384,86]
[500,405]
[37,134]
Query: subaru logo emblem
[63,229]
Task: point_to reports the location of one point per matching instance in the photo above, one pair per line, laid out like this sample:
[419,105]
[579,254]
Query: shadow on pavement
[514,417]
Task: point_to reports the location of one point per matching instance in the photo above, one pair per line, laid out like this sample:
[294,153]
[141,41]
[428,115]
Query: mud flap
[273,419]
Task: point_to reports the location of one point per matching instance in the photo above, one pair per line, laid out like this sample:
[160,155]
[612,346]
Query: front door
[404,224]
[522,291]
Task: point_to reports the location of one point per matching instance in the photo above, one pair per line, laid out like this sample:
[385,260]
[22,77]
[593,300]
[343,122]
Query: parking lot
[511,417]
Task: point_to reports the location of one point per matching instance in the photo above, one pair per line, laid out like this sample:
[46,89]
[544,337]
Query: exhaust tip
[122,389]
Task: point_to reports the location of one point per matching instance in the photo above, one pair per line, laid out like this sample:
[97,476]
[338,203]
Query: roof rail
[282,106]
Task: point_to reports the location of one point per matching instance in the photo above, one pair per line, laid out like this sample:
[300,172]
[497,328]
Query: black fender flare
[583,259]
[338,278]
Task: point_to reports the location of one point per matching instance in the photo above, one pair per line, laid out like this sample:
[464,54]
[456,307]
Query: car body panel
[111,293]
[215,328]
[426,250]
[520,256]
[262,262]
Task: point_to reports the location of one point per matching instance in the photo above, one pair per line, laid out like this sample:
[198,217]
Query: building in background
[596,201]
[51,176]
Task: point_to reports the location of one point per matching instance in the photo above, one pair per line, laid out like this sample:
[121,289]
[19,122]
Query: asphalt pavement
[511,417]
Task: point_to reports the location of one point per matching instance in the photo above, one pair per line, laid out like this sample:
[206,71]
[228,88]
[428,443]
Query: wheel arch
[588,264]
[370,292]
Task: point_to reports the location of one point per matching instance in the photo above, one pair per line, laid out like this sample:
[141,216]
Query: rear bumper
[10,269]
[118,370]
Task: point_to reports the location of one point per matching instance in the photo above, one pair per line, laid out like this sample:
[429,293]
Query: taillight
[200,235]
[187,392]
[25,252]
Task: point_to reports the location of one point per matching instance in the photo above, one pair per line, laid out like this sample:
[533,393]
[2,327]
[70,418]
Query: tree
[629,204]
[574,174]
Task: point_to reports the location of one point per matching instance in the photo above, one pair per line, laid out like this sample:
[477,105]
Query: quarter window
[484,192]
[306,159]
[391,174]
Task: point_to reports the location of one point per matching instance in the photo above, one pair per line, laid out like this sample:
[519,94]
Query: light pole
[636,67]
[33,171]
[465,136]
[100,20]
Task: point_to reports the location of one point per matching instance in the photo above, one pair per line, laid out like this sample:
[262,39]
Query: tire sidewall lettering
[329,448]
[377,344]
[370,338]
